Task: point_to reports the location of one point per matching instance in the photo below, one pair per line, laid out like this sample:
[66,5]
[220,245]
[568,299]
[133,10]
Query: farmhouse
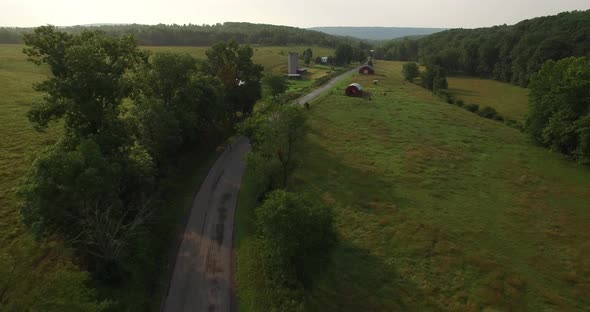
[354,89]
[367,70]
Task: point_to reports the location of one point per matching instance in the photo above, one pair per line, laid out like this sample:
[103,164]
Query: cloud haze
[301,13]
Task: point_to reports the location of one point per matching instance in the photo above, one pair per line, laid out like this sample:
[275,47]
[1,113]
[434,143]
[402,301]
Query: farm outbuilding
[367,70]
[354,89]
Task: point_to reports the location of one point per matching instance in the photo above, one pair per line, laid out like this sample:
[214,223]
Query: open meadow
[509,100]
[437,209]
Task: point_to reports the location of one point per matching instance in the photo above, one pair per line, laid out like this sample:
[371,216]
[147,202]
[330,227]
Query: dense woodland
[200,35]
[506,53]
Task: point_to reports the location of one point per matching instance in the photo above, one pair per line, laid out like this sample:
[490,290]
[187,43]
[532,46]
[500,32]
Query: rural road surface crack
[202,279]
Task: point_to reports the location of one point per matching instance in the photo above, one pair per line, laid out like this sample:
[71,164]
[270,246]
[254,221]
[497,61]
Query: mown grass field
[20,143]
[509,100]
[437,209]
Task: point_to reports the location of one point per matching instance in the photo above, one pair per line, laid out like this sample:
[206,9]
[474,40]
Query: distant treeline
[506,53]
[201,35]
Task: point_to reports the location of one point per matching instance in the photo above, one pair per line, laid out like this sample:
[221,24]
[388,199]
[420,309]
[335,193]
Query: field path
[202,279]
[314,94]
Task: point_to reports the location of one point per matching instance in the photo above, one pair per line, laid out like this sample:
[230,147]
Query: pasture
[437,209]
[509,100]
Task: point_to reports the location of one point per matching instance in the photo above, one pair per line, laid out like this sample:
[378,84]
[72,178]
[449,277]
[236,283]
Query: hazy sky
[301,13]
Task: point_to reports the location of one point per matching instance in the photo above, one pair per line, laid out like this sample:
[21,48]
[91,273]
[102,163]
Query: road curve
[202,279]
[329,85]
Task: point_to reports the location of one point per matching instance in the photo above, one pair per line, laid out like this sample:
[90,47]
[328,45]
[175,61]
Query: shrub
[411,71]
[434,78]
[499,118]
[295,234]
[472,107]
[460,103]
[488,112]
[445,95]
[514,124]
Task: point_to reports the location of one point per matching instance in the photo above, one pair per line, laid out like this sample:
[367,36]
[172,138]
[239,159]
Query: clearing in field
[509,100]
[437,209]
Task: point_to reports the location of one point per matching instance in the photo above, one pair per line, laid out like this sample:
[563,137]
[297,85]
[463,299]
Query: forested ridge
[200,35]
[506,53]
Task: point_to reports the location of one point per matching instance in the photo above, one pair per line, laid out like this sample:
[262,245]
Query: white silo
[293,63]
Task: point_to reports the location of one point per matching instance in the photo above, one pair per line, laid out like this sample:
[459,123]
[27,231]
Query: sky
[299,13]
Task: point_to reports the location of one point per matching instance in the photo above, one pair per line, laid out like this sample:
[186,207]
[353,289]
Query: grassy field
[20,143]
[509,100]
[438,209]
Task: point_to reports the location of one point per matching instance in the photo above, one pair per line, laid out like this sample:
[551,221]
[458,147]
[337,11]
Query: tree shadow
[324,173]
[357,280]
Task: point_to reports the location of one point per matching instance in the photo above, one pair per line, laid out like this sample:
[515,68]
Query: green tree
[294,235]
[344,54]
[411,71]
[91,187]
[233,64]
[560,106]
[175,104]
[274,134]
[434,78]
[276,84]
[307,56]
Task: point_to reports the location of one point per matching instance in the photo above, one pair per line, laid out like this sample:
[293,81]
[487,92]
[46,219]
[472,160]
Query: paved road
[314,94]
[203,274]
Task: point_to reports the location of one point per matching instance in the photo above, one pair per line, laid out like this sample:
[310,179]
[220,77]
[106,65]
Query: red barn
[354,89]
[367,70]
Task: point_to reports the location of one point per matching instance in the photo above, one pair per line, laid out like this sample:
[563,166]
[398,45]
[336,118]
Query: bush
[488,112]
[411,71]
[294,235]
[514,124]
[434,78]
[460,103]
[472,108]
[499,118]
[445,95]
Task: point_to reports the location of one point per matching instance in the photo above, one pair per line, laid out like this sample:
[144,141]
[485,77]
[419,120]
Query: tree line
[505,53]
[200,35]
[127,115]
[294,232]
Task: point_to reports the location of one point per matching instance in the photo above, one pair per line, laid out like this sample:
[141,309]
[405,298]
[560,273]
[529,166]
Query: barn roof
[358,86]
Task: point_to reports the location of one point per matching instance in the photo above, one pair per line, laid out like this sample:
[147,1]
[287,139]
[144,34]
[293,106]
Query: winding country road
[203,279]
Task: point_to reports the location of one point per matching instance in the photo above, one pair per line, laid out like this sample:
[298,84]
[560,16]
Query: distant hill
[378,33]
[200,35]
